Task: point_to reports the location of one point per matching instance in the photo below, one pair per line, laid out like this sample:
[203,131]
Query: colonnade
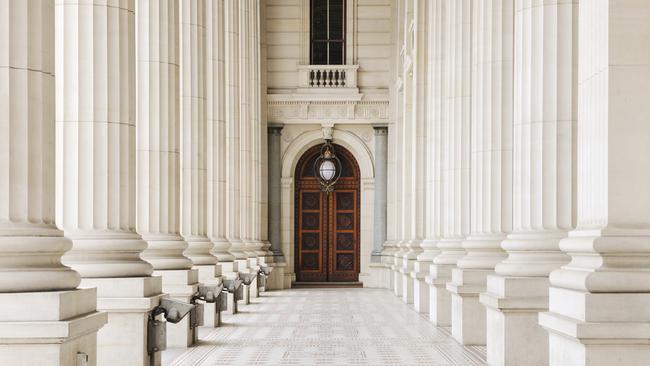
[532,127]
[126,131]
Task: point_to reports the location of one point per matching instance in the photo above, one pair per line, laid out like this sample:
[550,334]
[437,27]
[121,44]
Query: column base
[49,328]
[180,285]
[242,265]
[597,329]
[512,330]
[275,281]
[209,275]
[439,297]
[420,295]
[407,286]
[232,304]
[128,302]
[247,294]
[397,280]
[229,270]
[254,287]
[467,313]
[420,286]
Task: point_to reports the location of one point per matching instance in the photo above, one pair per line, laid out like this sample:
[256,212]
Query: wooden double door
[327,225]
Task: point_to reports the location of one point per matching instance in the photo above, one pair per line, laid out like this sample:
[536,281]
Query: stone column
[408,143]
[257,145]
[264,141]
[194,167]
[543,180]
[233,199]
[244,136]
[491,165]
[95,163]
[379,231]
[455,144]
[275,190]
[419,201]
[398,109]
[216,149]
[33,281]
[158,164]
[439,308]
[598,303]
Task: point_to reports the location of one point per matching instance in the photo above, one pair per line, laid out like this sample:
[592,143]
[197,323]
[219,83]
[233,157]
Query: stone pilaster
[95,162]
[598,303]
[379,229]
[32,279]
[491,164]
[455,129]
[157,147]
[275,190]
[543,180]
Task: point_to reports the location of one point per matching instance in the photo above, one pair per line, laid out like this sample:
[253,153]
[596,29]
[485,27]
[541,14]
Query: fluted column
[421,116]
[245,135]
[455,134]
[32,278]
[194,15]
[398,112]
[491,164]
[95,162]
[543,179]
[157,146]
[408,145]
[439,311]
[257,141]
[598,303]
[216,149]
[233,155]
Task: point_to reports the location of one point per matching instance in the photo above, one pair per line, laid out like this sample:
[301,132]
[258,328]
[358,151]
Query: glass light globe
[327,170]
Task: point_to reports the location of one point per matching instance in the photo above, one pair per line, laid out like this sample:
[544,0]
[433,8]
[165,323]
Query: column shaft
[275,190]
[379,232]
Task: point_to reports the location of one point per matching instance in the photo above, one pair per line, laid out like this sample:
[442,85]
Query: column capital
[381,129]
[275,128]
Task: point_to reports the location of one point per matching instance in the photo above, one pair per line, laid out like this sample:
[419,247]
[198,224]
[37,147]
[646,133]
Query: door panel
[327,225]
[311,225]
[343,231]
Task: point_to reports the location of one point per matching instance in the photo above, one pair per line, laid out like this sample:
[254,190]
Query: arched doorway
[327,225]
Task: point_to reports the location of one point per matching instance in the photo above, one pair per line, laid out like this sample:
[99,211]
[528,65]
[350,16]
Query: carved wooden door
[327,225]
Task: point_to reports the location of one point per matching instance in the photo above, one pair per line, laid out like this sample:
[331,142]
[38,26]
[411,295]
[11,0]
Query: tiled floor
[326,327]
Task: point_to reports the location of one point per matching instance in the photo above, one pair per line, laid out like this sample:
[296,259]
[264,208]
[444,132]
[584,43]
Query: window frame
[342,41]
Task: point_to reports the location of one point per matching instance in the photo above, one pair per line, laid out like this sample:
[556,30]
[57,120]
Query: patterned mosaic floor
[326,327]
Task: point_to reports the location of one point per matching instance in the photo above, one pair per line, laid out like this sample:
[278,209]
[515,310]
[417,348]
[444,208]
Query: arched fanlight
[327,167]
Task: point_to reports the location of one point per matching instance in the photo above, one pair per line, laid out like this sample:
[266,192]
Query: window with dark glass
[327,32]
